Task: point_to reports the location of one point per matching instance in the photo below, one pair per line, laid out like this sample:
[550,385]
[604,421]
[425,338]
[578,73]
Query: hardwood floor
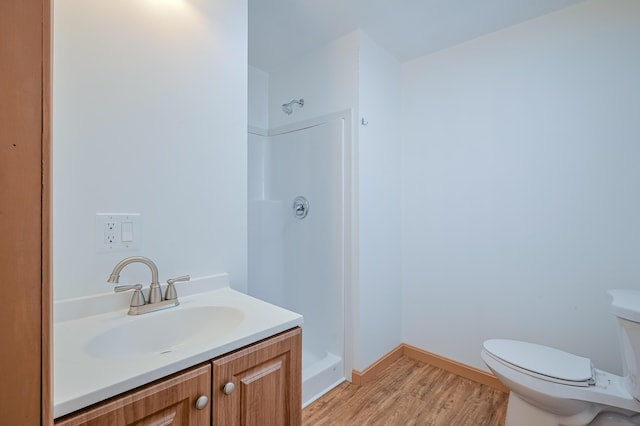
[409,392]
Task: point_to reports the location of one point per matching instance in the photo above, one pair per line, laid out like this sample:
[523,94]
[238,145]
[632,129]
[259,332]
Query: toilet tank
[626,306]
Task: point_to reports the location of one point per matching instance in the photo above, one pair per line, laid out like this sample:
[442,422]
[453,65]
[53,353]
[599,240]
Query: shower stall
[297,236]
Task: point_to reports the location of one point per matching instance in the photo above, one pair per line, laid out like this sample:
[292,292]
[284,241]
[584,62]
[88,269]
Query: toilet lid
[542,360]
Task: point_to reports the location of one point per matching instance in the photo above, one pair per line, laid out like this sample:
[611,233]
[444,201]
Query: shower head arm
[288,107]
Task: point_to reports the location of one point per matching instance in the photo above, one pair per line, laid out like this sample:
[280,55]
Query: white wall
[379,300]
[258,113]
[327,80]
[520,185]
[150,116]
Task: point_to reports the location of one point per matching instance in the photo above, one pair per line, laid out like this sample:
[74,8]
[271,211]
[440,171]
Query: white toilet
[550,387]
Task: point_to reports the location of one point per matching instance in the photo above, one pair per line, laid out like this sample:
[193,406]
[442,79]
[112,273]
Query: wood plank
[47,250]
[426,357]
[21,130]
[409,392]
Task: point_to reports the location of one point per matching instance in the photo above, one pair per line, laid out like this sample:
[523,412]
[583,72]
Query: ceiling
[280,30]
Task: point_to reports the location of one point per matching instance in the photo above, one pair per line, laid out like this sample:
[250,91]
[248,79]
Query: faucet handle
[170,293]
[138,298]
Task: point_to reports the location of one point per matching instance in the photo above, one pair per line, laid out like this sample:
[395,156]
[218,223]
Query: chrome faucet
[155,294]
[155,302]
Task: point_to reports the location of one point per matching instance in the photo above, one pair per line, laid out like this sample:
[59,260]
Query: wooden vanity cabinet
[267,391]
[170,401]
[260,385]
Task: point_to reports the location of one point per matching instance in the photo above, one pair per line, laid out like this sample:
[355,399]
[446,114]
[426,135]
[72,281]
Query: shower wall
[294,262]
[309,163]
[265,226]
[353,73]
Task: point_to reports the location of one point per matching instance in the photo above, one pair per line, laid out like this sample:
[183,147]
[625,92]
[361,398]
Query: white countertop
[81,379]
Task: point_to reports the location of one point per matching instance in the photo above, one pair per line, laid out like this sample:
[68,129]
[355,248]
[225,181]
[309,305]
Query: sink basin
[163,332]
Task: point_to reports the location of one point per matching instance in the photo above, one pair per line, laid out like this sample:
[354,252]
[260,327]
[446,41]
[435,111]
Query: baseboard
[360,378]
[462,370]
[454,367]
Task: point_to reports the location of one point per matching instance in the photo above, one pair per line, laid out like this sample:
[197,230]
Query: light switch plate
[116,232]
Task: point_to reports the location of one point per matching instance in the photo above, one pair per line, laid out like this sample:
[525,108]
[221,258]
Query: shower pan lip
[322,376]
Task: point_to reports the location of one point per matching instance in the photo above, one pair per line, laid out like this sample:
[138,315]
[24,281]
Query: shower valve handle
[300,207]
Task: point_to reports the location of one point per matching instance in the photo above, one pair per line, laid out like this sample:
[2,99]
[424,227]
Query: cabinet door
[171,401]
[267,383]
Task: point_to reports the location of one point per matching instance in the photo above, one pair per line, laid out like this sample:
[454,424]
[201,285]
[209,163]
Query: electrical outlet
[115,232]
[110,232]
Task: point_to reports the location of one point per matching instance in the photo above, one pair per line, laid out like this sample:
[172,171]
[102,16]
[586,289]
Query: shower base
[320,374]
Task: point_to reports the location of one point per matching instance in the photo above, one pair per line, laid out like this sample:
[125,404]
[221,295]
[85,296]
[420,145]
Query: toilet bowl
[550,387]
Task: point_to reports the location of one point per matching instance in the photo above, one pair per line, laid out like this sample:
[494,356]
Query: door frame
[25,210]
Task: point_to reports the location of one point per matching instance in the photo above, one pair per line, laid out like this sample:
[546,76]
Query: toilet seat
[542,362]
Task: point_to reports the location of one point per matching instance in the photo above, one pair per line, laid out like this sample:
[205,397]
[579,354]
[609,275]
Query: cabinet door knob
[228,388]
[202,402]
